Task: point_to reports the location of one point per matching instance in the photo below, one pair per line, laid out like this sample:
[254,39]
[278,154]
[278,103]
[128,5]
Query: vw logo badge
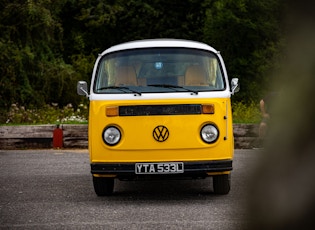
[160,133]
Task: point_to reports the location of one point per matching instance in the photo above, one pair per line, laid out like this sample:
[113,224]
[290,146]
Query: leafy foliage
[47,46]
[48,114]
[246,113]
[250,37]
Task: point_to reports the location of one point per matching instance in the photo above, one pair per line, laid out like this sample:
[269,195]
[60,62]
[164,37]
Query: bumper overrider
[193,169]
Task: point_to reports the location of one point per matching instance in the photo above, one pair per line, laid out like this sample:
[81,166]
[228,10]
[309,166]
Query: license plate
[159,168]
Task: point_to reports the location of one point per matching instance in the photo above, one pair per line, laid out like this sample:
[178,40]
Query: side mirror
[82,88]
[235,87]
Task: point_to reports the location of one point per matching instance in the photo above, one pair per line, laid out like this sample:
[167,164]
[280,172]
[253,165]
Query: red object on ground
[58,138]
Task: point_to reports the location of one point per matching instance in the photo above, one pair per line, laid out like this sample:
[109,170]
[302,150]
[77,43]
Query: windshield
[159,70]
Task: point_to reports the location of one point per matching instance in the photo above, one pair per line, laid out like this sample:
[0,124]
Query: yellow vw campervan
[159,109]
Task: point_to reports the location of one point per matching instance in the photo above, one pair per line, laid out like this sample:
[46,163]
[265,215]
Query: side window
[105,74]
[214,73]
[102,77]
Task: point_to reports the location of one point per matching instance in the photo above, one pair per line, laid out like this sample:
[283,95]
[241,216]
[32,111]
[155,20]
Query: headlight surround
[209,133]
[111,135]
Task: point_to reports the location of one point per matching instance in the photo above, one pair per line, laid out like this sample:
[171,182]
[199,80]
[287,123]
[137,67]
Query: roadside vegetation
[47,46]
[246,113]
[48,114]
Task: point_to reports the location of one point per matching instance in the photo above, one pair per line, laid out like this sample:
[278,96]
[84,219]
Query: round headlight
[111,135]
[209,133]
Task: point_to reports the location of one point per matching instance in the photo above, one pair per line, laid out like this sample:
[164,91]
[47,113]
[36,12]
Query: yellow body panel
[183,144]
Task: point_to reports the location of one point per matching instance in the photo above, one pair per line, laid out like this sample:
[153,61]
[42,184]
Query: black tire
[103,186]
[222,184]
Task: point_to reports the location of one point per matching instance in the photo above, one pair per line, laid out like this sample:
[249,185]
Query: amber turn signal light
[112,111]
[208,109]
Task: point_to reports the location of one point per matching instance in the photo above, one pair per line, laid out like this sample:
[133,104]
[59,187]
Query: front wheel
[103,186]
[222,184]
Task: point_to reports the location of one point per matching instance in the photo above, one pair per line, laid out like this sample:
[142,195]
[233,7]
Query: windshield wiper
[174,87]
[121,88]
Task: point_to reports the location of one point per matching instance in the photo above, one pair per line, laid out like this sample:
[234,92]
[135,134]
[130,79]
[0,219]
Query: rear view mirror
[82,88]
[235,87]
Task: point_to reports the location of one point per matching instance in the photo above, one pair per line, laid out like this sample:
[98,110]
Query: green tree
[250,37]
[47,45]
[32,68]
[96,25]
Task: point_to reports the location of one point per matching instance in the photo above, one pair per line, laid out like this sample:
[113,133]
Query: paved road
[52,189]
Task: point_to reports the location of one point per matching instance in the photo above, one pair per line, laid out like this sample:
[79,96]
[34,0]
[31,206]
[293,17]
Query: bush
[246,113]
[48,114]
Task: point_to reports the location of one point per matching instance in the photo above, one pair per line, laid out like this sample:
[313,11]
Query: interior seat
[195,76]
[125,76]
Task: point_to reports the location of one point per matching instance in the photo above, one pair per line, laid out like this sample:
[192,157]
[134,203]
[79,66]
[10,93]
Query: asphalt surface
[52,189]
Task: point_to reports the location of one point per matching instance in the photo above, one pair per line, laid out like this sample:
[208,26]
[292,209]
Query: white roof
[156,43]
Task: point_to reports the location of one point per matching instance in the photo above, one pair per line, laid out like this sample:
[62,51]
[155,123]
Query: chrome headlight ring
[111,135]
[209,133]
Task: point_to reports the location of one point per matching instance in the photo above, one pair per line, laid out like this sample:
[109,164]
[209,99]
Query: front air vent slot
[151,110]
